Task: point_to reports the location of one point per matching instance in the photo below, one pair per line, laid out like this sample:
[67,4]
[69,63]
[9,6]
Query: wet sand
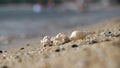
[98,50]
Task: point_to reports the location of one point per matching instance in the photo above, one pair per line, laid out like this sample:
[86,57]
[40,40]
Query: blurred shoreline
[25,24]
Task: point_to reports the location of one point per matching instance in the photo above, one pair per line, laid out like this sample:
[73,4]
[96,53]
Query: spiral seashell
[59,39]
[46,41]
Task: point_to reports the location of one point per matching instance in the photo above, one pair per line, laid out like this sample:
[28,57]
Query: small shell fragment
[76,35]
[46,41]
[60,39]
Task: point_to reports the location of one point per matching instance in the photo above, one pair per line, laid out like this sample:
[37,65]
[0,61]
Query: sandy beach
[97,50]
[17,26]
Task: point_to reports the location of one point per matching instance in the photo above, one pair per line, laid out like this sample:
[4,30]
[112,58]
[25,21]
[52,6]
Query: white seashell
[46,41]
[76,35]
[60,39]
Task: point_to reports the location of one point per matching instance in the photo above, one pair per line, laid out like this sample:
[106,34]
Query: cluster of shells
[61,38]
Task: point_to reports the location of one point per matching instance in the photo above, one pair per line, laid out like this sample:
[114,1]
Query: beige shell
[46,41]
[60,39]
[76,35]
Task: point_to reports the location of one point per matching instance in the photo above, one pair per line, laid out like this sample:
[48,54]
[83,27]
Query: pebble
[1,51]
[57,50]
[4,57]
[5,51]
[22,48]
[74,46]
[4,66]
[107,40]
[93,41]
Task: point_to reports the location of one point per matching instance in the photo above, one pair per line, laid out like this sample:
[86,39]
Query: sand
[98,50]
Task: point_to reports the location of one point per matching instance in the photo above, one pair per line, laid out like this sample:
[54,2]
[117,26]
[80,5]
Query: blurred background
[26,19]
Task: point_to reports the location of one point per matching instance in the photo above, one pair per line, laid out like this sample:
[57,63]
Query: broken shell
[46,41]
[76,35]
[60,39]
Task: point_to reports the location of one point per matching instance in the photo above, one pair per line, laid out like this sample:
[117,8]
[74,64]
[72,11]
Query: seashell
[76,35]
[60,39]
[46,41]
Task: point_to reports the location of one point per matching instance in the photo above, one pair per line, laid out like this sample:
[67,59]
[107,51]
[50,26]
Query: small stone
[47,45]
[22,48]
[57,50]
[5,51]
[51,45]
[18,58]
[74,46]
[4,66]
[107,40]
[4,57]
[1,51]
[93,41]
[109,32]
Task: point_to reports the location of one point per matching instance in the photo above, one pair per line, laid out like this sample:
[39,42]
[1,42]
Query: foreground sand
[98,50]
